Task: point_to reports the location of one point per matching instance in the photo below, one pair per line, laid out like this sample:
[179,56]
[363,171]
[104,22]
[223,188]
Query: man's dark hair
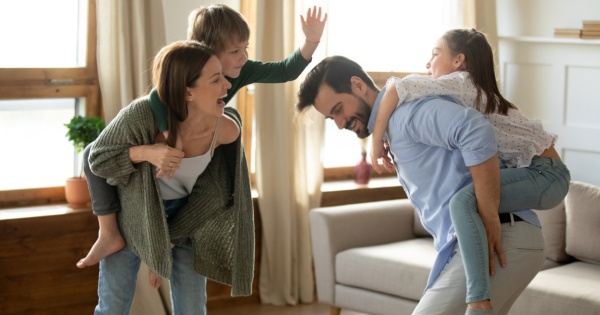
[335,71]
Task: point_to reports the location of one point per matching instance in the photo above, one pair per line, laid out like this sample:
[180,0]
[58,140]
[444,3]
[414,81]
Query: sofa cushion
[554,230]
[568,289]
[583,222]
[400,268]
[418,228]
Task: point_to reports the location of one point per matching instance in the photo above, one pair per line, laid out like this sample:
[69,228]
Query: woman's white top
[519,138]
[182,182]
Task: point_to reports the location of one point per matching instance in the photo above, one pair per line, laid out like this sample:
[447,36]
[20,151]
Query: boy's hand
[313,26]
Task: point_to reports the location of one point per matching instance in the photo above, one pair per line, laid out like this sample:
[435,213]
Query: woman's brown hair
[176,67]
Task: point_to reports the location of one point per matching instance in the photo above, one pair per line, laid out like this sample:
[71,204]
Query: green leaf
[84,130]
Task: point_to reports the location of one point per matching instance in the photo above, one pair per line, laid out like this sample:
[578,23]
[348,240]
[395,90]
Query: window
[385,37]
[46,77]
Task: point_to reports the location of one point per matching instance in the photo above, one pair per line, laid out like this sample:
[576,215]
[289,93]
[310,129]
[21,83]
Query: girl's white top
[519,138]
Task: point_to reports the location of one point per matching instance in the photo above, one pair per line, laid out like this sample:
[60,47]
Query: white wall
[177,11]
[552,79]
[540,17]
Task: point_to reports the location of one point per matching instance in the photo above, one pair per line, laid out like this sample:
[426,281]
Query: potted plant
[81,132]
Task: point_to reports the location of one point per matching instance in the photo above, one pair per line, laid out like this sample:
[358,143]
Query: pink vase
[362,171]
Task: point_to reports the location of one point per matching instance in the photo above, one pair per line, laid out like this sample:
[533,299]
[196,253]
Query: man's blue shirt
[433,141]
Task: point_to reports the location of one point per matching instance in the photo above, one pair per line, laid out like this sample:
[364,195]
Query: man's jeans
[524,248]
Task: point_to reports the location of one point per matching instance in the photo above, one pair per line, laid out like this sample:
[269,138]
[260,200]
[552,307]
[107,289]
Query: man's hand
[493,231]
[486,181]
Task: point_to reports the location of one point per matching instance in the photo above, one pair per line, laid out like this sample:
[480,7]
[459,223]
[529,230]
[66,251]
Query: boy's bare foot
[103,247]
[154,279]
[109,242]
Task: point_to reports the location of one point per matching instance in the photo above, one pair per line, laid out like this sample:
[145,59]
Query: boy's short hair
[217,25]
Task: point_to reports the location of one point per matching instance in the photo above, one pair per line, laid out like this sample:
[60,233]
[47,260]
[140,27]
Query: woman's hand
[166,159]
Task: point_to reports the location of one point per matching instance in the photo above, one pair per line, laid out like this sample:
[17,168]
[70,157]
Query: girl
[534,177]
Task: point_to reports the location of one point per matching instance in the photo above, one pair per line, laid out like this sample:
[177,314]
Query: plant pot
[77,192]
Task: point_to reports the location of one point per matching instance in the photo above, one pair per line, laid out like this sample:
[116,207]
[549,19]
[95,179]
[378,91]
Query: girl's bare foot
[154,279]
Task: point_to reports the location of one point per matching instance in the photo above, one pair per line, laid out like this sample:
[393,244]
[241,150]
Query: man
[438,147]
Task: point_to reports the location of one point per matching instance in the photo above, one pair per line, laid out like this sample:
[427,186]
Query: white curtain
[129,35]
[289,171]
[482,16]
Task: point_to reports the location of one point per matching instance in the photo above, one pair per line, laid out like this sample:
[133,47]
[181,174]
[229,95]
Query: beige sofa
[375,257]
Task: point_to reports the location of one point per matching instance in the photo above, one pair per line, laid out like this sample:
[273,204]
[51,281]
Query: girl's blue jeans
[542,185]
[118,278]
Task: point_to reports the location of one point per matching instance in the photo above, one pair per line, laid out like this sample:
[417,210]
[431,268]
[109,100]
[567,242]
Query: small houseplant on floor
[81,132]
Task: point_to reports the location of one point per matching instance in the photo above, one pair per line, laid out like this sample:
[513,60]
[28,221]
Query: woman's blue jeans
[542,185]
[118,277]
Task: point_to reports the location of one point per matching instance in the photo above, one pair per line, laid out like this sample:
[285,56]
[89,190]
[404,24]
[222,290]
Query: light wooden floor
[303,309]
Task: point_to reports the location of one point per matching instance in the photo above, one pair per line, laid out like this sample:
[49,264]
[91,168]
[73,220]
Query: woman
[204,208]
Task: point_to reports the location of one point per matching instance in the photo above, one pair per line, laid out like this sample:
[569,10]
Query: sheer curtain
[289,171]
[482,16]
[129,35]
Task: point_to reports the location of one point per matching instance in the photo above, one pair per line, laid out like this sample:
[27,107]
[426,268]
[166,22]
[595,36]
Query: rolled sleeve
[480,155]
[476,139]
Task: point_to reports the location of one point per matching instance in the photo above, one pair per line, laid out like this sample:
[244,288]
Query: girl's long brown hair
[479,60]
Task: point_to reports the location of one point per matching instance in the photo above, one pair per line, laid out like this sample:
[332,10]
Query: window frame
[28,83]
[245,105]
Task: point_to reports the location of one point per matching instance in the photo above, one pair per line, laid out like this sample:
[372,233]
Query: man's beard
[363,115]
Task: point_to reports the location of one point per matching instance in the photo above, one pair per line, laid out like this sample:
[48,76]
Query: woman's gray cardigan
[218,216]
